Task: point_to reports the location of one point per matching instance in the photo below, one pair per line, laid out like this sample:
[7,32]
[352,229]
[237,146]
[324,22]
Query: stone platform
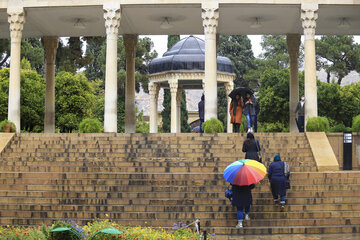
[161,179]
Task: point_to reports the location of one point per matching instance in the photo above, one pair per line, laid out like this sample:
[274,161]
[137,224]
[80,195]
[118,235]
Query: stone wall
[336,142]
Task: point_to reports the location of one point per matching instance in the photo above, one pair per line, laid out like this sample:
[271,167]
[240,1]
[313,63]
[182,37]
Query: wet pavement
[347,236]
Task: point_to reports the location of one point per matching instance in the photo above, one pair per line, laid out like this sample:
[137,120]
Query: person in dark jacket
[300,110]
[201,107]
[251,147]
[257,110]
[249,111]
[276,174]
[242,200]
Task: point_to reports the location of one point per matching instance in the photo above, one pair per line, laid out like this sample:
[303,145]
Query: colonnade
[112,16]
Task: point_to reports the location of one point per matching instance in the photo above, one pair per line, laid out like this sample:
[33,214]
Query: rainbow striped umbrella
[244,172]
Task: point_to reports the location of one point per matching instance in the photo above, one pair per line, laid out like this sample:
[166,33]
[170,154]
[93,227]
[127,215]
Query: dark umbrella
[242,91]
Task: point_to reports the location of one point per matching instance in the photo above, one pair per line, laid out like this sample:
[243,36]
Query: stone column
[50,45]
[228,88]
[210,15]
[173,89]
[112,15]
[293,43]
[178,110]
[154,91]
[130,42]
[309,14]
[16,18]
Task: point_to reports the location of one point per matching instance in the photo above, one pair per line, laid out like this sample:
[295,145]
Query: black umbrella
[242,91]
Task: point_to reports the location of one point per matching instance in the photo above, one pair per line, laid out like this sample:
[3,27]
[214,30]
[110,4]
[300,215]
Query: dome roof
[187,55]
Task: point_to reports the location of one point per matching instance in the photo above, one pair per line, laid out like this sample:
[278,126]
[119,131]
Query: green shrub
[89,125]
[213,126]
[339,128]
[317,124]
[74,232]
[3,123]
[273,127]
[356,124]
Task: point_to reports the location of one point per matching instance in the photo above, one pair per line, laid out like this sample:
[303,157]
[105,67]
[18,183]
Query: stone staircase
[161,179]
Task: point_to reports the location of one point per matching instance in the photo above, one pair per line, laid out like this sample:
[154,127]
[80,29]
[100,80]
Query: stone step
[4,164]
[170,182]
[174,176]
[139,167]
[174,195]
[175,202]
[38,211]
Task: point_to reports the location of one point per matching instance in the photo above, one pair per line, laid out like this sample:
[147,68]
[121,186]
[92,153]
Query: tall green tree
[70,56]
[238,49]
[32,93]
[338,55]
[74,100]
[273,95]
[32,49]
[94,50]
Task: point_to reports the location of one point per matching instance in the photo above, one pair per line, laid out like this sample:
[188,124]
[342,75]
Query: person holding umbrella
[242,175]
[236,107]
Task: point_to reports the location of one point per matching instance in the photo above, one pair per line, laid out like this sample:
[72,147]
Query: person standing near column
[201,107]
[236,107]
[300,110]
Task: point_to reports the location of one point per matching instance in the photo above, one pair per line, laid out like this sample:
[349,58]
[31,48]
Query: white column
[50,45]
[178,110]
[173,89]
[309,14]
[228,88]
[112,15]
[210,15]
[130,42]
[16,18]
[293,43]
[154,91]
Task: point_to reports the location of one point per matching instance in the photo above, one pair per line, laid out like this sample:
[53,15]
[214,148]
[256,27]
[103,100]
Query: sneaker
[239,225]
[282,208]
[247,218]
[276,201]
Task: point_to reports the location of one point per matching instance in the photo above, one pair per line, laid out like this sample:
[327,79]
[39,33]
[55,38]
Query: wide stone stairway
[161,179]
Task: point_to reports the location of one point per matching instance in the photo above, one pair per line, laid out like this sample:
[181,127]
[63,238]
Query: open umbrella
[245,172]
[241,91]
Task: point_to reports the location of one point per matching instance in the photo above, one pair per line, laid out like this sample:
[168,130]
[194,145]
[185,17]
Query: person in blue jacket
[277,176]
[242,200]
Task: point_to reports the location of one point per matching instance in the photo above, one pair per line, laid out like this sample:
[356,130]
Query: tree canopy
[338,55]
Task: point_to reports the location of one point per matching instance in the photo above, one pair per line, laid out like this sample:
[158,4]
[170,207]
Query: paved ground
[295,236]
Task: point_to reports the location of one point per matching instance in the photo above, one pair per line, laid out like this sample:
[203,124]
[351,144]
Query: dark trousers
[236,127]
[255,123]
[300,123]
[240,212]
[201,124]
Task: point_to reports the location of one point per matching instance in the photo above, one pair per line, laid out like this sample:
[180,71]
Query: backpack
[228,193]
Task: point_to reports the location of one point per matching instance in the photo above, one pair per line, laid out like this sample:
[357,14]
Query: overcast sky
[160,42]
